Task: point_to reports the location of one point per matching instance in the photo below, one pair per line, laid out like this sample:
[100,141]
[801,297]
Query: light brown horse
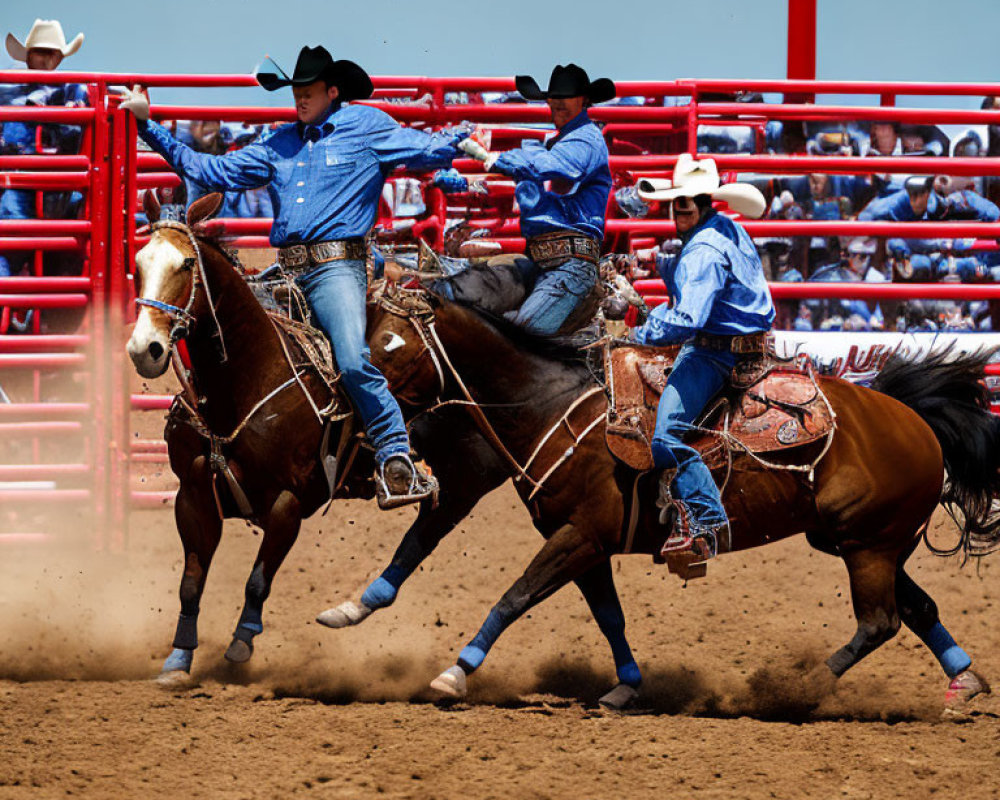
[871,495]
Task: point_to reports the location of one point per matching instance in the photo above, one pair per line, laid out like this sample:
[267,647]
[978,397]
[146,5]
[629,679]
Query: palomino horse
[542,414]
[251,447]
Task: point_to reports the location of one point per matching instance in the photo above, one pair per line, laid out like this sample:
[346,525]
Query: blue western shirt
[324,180]
[717,286]
[575,160]
[957,205]
[20,137]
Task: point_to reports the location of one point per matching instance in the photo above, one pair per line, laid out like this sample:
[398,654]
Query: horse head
[168,275]
[400,338]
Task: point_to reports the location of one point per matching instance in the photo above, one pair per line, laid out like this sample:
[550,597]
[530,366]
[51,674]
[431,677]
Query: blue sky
[942,40]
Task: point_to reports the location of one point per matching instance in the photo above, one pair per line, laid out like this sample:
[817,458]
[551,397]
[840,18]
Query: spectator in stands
[855,265]
[929,259]
[44,48]
[821,197]
[923,140]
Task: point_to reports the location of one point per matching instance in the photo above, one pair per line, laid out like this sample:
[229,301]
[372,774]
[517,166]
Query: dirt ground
[347,713]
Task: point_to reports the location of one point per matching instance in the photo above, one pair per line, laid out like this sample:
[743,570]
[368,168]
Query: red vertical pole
[99,176]
[801,63]
[119,399]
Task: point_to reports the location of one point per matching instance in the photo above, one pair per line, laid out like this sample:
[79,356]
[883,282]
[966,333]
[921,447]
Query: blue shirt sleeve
[247,168]
[966,205]
[394,145]
[699,277]
[569,159]
[886,208]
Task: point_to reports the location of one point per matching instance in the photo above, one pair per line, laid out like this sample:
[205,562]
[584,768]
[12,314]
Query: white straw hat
[692,178]
[46,33]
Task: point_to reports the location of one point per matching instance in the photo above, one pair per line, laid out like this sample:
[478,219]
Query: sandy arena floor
[346,713]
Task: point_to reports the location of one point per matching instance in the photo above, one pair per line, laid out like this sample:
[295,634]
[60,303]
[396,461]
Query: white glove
[135,101]
[490,160]
[473,149]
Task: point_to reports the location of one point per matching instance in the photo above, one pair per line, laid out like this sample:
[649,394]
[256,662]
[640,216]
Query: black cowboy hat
[568,81]
[316,63]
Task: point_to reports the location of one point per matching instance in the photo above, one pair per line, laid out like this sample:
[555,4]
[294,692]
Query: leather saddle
[769,406]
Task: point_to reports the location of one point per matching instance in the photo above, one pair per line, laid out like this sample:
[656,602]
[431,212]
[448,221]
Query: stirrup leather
[422,486]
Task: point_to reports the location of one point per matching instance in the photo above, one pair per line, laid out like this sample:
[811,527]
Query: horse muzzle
[150,354]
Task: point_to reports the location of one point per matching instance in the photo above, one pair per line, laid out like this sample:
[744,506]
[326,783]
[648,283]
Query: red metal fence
[79,452]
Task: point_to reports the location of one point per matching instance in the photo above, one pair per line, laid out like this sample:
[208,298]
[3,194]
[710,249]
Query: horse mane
[564,348]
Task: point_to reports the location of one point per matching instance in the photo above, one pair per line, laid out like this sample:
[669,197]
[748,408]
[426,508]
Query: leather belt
[550,246]
[748,343]
[300,256]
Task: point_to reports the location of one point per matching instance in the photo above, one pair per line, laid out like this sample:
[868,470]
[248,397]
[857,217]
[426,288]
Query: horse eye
[188,264]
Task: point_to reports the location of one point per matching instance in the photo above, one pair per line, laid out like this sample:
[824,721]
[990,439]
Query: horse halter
[183,320]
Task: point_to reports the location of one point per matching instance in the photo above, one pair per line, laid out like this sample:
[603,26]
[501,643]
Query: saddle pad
[781,410]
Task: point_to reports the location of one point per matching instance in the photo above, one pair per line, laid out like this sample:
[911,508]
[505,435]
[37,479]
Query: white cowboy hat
[692,178]
[47,33]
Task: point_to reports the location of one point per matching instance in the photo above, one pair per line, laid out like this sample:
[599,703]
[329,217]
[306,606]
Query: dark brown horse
[869,499]
[251,449]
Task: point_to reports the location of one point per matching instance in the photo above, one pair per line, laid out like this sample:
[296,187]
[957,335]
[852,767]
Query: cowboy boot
[689,538]
[398,482]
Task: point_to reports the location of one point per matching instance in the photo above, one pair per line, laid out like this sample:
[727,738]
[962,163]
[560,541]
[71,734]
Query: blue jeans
[557,292]
[697,376]
[336,293]
[15,204]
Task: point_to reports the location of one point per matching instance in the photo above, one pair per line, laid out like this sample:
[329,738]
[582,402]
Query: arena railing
[111,172]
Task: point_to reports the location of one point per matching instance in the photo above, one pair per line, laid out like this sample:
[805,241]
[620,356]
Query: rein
[423,321]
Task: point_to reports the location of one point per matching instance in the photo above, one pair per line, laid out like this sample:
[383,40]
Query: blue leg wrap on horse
[953,658]
[629,674]
[472,655]
[186,636]
[179,659]
[612,624]
[382,591]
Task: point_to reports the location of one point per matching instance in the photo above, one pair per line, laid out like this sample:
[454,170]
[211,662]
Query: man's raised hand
[136,101]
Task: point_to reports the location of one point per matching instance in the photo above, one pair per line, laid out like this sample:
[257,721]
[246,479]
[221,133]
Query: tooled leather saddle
[769,406]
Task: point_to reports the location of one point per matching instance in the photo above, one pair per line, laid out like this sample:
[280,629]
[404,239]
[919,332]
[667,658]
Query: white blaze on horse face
[159,264]
[395,342]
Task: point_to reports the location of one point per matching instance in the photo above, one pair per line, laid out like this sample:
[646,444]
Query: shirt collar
[578,121]
[323,125]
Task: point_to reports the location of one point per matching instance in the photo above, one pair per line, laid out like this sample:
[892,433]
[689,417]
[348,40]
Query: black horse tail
[949,393]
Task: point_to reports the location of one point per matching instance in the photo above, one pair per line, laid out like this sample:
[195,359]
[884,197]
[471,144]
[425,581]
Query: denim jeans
[336,294]
[697,376]
[556,293]
[15,204]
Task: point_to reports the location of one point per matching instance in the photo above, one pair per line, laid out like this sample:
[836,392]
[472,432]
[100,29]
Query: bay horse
[248,445]
[869,500]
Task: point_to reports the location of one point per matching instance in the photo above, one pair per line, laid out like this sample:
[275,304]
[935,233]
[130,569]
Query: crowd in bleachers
[818,196]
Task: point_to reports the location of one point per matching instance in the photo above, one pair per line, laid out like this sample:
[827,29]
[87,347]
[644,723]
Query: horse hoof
[175,679]
[451,682]
[963,688]
[344,615]
[239,652]
[620,698]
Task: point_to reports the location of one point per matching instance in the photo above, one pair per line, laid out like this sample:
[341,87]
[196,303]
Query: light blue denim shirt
[325,180]
[717,285]
[575,160]
[957,205]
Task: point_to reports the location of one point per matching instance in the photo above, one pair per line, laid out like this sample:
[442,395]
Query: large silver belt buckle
[328,251]
[294,255]
[547,250]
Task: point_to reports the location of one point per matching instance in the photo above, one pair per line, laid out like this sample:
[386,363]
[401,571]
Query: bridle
[182,318]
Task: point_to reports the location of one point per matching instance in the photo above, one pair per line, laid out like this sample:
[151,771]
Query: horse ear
[151,205]
[203,208]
